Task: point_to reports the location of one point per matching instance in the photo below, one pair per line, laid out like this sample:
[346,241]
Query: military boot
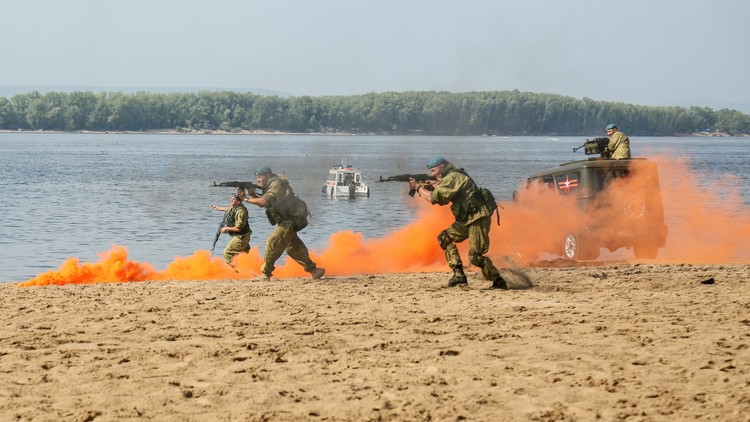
[318,273]
[499,283]
[458,278]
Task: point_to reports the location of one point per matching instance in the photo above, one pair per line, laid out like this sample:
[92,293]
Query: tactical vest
[231,217]
[467,201]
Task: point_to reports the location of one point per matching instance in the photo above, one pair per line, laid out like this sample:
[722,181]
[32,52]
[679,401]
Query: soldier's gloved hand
[429,185]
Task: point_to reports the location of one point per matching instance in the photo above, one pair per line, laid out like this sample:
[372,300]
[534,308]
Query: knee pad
[444,240]
[476,260]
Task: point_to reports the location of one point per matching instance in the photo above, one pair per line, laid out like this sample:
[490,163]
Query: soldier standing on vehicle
[619,144]
[473,219]
[237,225]
[289,214]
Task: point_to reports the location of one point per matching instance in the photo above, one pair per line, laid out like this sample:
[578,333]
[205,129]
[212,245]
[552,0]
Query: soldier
[473,219]
[237,225]
[289,214]
[619,144]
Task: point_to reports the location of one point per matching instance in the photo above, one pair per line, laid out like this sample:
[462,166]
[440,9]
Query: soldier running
[289,214]
[237,225]
[473,219]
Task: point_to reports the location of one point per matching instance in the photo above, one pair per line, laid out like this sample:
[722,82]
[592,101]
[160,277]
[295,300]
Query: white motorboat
[345,181]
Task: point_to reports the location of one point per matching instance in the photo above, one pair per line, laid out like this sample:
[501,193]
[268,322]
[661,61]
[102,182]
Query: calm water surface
[76,195]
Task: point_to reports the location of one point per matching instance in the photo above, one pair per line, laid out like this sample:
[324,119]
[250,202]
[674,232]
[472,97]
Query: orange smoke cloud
[413,248]
[706,219]
[114,267]
[706,224]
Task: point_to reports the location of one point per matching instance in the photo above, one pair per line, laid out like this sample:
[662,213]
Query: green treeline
[428,113]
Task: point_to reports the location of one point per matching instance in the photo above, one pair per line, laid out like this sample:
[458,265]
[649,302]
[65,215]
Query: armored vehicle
[599,203]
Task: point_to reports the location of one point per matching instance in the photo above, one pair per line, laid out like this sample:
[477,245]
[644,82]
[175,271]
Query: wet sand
[634,342]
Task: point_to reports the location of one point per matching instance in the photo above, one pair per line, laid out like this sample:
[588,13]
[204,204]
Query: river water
[76,195]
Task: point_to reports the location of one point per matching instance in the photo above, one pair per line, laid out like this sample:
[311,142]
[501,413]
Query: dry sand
[627,341]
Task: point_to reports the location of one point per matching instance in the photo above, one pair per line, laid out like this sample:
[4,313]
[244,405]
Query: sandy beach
[617,341]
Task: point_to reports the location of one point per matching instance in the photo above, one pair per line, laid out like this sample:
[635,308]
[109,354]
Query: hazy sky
[651,52]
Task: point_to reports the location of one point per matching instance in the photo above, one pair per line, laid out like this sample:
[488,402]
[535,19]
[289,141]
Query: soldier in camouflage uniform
[473,219]
[619,143]
[237,225]
[289,214]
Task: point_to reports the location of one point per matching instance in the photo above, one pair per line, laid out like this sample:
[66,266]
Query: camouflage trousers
[285,239]
[236,245]
[478,234]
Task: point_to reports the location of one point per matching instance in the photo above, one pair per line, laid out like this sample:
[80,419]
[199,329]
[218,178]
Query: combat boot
[499,283]
[318,273]
[458,278]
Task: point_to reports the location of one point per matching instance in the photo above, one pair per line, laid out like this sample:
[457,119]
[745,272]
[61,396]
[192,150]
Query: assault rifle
[425,184]
[420,178]
[250,186]
[236,184]
[218,232]
[595,146]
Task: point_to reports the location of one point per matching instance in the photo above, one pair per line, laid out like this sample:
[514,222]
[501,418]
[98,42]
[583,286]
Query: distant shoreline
[717,134]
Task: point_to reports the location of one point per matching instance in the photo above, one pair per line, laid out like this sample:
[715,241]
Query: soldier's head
[611,129]
[236,199]
[262,174]
[436,164]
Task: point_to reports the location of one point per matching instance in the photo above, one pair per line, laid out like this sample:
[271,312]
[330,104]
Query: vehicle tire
[645,251]
[634,208]
[575,248]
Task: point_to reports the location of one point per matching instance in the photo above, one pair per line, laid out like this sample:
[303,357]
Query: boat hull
[350,191]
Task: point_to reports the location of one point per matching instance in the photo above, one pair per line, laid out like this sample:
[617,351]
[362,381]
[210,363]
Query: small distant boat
[345,181]
[552,139]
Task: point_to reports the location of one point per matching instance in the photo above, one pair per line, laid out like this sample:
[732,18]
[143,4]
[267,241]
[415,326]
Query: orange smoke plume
[706,219]
[413,248]
[114,267]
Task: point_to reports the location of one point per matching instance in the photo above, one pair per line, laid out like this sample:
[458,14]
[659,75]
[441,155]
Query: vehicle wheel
[634,208]
[576,249]
[645,251]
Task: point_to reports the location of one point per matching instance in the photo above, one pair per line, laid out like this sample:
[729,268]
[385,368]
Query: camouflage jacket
[459,189]
[619,146]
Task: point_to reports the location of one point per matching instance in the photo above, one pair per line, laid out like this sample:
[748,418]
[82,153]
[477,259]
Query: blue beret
[611,126]
[263,170]
[436,161]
